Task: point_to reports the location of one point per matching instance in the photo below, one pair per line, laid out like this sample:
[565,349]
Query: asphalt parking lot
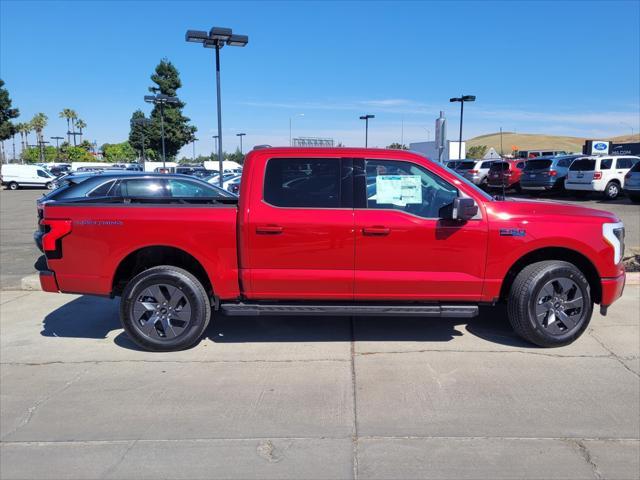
[321,397]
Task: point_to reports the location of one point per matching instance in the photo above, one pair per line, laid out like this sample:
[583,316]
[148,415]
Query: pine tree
[177,130]
[7,129]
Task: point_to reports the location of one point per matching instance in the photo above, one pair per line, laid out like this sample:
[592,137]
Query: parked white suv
[599,174]
[475,170]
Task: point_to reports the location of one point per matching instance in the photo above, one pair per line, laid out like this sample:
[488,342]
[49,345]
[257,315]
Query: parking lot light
[240,135]
[462,99]
[216,38]
[366,128]
[162,100]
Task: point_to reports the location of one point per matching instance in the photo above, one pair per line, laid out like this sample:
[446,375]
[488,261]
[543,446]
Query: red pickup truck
[333,231]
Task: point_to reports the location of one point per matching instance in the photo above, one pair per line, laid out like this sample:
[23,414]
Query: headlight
[613,234]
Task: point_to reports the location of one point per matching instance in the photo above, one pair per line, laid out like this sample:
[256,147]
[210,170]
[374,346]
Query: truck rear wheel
[165,308]
[550,303]
[13,186]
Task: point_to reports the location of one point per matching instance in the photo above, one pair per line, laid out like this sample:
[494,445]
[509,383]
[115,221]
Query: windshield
[583,164]
[473,186]
[537,165]
[465,165]
[499,166]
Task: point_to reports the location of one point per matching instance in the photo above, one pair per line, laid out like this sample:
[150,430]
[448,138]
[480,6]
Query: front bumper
[612,289]
[48,281]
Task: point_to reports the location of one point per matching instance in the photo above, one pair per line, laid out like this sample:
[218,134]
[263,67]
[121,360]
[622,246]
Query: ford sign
[600,146]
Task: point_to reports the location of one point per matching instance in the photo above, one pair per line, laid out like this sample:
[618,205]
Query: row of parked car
[609,176]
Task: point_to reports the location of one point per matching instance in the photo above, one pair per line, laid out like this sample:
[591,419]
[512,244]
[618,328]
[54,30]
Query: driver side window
[406,186]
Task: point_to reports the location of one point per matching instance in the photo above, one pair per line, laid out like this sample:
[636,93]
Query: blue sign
[600,146]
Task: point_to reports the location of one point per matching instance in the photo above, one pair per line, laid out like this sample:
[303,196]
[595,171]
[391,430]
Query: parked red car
[333,231]
[505,174]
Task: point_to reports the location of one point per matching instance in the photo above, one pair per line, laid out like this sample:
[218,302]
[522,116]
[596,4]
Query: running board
[258,309]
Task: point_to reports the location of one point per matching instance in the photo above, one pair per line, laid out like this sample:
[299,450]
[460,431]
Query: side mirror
[464,209]
[461,209]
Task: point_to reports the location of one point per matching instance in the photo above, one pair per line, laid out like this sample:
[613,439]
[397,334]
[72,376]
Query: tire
[49,186]
[535,297]
[155,324]
[13,186]
[611,191]
[634,197]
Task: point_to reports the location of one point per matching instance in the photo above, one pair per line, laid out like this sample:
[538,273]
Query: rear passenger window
[486,165]
[624,163]
[605,163]
[101,191]
[187,189]
[520,165]
[303,183]
[143,188]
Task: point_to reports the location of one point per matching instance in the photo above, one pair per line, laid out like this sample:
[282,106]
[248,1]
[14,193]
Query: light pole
[240,135]
[217,38]
[193,141]
[57,139]
[290,119]
[366,128]
[626,124]
[462,99]
[215,145]
[143,122]
[162,100]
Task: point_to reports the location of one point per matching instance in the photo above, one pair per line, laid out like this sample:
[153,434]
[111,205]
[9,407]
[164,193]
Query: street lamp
[217,38]
[143,122]
[240,135]
[215,145]
[462,99]
[193,141]
[162,100]
[627,125]
[290,118]
[366,128]
[57,139]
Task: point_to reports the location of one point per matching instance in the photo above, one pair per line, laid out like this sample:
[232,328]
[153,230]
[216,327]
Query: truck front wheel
[165,308]
[550,303]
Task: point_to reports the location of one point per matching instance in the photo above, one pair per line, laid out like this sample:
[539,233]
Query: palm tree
[80,124]
[70,115]
[38,123]
[21,128]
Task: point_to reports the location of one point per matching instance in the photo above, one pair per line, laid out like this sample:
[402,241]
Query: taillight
[627,176]
[597,175]
[473,171]
[58,228]
[552,173]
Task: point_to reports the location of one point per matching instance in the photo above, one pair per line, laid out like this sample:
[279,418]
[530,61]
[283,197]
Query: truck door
[404,250]
[300,231]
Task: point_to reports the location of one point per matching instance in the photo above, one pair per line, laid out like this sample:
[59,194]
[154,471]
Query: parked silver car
[632,183]
[475,170]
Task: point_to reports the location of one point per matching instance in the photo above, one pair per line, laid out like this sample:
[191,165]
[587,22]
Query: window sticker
[398,190]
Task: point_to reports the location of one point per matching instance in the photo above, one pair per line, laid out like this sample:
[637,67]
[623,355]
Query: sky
[565,68]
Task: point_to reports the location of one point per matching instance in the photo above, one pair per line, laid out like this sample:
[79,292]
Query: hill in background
[533,141]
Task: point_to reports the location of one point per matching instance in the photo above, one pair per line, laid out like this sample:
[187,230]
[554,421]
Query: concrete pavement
[314,397]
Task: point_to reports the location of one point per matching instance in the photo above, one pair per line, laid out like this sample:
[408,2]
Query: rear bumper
[48,281]
[612,289]
[594,186]
[631,188]
[37,238]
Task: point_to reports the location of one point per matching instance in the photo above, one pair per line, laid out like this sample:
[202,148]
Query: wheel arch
[152,256]
[574,257]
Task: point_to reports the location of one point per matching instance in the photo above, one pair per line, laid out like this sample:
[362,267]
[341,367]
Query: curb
[31,283]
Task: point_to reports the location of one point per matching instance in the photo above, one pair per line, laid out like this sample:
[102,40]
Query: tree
[80,124]
[38,123]
[176,126]
[118,152]
[138,131]
[23,128]
[235,156]
[7,129]
[70,115]
[398,146]
[478,151]
[78,154]
[34,155]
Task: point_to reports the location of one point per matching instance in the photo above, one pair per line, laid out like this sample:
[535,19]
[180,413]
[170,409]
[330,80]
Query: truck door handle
[376,231]
[269,229]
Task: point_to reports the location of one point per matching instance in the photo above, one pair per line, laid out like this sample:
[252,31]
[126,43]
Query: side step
[417,310]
